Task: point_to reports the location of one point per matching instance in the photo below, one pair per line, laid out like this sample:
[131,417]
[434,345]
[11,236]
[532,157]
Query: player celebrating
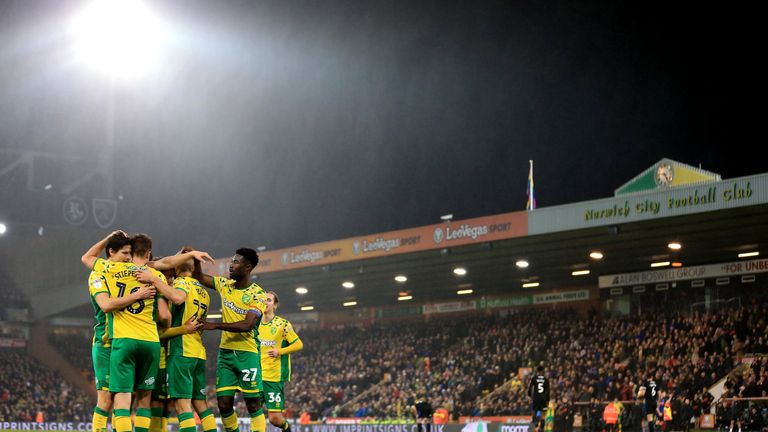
[186,353]
[538,390]
[238,367]
[280,341]
[134,337]
[118,248]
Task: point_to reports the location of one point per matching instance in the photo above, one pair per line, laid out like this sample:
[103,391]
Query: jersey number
[653,391]
[249,374]
[274,397]
[540,387]
[200,316]
[130,308]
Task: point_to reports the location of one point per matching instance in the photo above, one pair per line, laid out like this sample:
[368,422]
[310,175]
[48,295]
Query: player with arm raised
[133,332]
[118,249]
[239,366]
[278,341]
[186,353]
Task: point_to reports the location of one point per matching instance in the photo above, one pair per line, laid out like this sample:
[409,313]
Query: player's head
[119,248]
[540,369]
[244,261]
[272,301]
[141,246]
[187,266]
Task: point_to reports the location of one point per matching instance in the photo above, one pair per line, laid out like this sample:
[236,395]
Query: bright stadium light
[348,284]
[213,316]
[403,298]
[302,290]
[464,292]
[522,263]
[530,285]
[748,254]
[675,246]
[401,278]
[3,228]
[460,271]
[580,273]
[596,255]
[119,37]
[660,264]
[350,303]
[307,308]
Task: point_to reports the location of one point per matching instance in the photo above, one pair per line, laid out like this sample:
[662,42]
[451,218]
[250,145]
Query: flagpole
[531,204]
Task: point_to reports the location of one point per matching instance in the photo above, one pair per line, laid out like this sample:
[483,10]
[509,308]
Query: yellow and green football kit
[135,353]
[101,347]
[277,333]
[186,353]
[239,367]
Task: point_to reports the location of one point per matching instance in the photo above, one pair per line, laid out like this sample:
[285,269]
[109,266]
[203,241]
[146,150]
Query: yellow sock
[258,422]
[230,422]
[143,419]
[156,423]
[208,421]
[187,422]
[121,420]
[99,419]
[164,423]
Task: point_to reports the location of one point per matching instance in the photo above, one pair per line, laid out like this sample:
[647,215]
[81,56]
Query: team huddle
[147,338]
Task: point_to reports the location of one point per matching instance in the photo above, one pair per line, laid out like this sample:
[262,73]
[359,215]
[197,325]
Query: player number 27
[249,374]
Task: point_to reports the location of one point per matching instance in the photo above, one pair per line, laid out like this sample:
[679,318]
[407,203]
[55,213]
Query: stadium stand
[29,392]
[469,364]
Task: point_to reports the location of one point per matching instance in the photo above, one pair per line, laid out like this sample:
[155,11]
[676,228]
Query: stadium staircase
[717,389]
[43,352]
[367,391]
[499,388]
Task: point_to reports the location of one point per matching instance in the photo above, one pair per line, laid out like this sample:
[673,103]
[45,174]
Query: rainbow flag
[531,205]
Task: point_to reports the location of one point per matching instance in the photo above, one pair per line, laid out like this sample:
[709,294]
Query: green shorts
[133,365]
[238,371]
[187,377]
[160,392]
[273,395]
[100,355]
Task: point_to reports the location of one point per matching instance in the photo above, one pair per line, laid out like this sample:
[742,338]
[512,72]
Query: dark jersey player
[649,392]
[422,410]
[538,390]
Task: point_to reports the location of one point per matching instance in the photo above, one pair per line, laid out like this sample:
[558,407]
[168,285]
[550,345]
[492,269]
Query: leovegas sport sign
[438,236]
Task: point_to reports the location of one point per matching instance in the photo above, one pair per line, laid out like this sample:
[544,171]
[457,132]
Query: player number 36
[274,397]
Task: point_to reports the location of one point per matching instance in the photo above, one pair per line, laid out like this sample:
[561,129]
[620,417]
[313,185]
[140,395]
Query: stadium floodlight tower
[123,40]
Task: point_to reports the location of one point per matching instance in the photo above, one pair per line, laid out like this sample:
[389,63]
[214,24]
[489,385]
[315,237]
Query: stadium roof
[713,222]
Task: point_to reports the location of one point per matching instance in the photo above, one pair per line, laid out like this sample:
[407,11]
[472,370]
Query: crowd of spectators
[32,392]
[469,364]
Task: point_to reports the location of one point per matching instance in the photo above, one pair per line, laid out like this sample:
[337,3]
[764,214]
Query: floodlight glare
[119,37]
[3,228]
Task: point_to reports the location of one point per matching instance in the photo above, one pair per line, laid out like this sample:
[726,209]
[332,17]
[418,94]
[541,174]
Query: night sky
[282,123]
